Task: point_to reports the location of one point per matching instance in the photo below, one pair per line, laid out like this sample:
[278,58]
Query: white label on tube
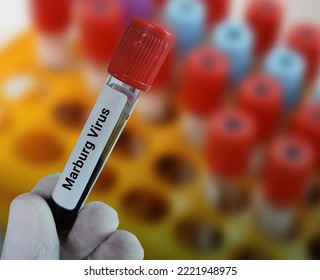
[89,147]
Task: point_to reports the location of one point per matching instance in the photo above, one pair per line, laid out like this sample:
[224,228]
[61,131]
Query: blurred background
[220,159]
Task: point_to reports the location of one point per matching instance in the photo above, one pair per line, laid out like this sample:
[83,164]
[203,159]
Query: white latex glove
[31,232]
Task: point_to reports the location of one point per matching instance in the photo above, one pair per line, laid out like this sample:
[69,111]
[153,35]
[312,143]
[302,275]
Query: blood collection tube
[229,143]
[304,38]
[288,68]
[52,20]
[260,95]
[264,18]
[217,10]
[306,124]
[135,64]
[204,83]
[187,19]
[100,25]
[235,40]
[288,169]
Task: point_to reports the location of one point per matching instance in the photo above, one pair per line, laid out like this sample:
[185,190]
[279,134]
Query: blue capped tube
[187,20]
[235,39]
[288,68]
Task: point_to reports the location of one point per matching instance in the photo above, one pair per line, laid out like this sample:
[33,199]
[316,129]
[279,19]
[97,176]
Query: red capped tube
[137,60]
[229,143]
[306,124]
[217,10]
[261,97]
[204,81]
[139,65]
[287,172]
[265,18]
[101,24]
[51,16]
[305,39]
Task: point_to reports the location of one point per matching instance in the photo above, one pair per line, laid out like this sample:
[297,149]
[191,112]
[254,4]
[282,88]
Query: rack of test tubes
[220,159]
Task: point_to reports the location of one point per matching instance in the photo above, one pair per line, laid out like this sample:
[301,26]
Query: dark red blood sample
[264,18]
[261,97]
[287,172]
[204,81]
[229,143]
[305,39]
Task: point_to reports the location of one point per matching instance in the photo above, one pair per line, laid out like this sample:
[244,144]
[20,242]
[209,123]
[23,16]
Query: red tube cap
[288,167]
[101,24]
[205,80]
[140,54]
[229,142]
[305,39]
[51,16]
[306,124]
[264,17]
[261,97]
[217,10]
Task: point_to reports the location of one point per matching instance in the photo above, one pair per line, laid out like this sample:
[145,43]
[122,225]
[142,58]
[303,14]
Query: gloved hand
[31,232]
